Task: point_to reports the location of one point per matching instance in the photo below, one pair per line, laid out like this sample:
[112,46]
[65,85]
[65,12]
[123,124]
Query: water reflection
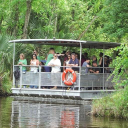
[26,114]
[33,115]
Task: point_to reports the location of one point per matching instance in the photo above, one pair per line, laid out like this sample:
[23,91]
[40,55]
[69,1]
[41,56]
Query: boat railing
[46,80]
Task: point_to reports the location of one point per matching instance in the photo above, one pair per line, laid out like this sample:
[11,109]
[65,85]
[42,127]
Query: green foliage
[114,105]
[6,83]
[6,52]
[115,17]
[120,63]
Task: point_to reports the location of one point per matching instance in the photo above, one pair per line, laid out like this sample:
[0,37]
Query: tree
[27,17]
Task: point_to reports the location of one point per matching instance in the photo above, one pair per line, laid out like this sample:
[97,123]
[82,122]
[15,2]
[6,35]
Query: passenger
[66,62]
[86,64]
[66,55]
[106,64]
[35,63]
[68,75]
[49,58]
[74,63]
[101,62]
[38,57]
[85,55]
[65,59]
[95,69]
[77,56]
[55,64]
[110,62]
[22,61]
[94,58]
[62,59]
[82,59]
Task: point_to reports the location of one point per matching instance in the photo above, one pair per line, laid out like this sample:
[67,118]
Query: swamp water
[30,114]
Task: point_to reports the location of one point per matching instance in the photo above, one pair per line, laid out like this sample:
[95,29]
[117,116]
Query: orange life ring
[69,83]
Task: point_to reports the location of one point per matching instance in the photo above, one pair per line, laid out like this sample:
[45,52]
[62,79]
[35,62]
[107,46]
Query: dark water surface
[28,114]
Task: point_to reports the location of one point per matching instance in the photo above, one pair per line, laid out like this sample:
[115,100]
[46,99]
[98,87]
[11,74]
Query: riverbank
[4,94]
[114,105]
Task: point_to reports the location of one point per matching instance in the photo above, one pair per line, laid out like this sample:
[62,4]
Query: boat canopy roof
[68,42]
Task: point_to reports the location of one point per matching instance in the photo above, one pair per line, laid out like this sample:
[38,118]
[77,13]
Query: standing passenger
[22,61]
[65,59]
[49,58]
[38,57]
[55,64]
[35,63]
[68,60]
[94,59]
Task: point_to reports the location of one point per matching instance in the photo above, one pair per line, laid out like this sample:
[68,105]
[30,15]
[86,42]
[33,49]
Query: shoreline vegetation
[4,94]
[5,85]
[115,105]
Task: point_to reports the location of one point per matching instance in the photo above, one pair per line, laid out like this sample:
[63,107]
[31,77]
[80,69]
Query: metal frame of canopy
[67,42]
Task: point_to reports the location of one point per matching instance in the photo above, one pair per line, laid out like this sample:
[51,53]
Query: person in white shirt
[55,64]
[35,63]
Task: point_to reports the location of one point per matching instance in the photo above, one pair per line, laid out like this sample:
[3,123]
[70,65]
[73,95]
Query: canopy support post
[39,77]
[103,68]
[13,63]
[80,65]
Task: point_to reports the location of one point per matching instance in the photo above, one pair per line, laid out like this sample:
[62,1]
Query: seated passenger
[74,63]
[35,63]
[95,70]
[86,64]
[55,64]
[22,61]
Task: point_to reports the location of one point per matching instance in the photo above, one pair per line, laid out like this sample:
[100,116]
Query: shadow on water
[28,114]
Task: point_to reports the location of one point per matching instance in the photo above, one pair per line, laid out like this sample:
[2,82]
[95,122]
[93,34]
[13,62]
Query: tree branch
[80,36]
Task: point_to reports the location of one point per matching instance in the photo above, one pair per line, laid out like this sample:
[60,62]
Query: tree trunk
[16,19]
[27,17]
[1,23]
[55,26]
[80,36]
